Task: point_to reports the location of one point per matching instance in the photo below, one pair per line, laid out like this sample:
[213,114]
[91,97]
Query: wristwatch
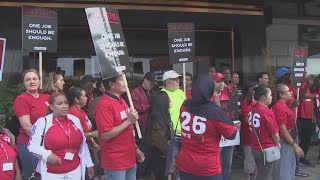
[293,142]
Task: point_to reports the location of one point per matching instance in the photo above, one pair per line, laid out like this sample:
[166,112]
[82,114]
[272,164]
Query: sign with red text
[298,71]
[2,53]
[108,41]
[181,42]
[159,66]
[230,108]
[39,29]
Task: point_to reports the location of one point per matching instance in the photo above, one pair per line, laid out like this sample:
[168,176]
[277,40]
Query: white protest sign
[226,142]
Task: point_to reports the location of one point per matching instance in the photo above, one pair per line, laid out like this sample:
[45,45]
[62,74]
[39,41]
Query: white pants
[73,175]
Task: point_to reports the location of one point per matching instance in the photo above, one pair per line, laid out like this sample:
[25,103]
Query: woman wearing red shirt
[262,119]
[285,117]
[8,154]
[28,107]
[53,83]
[249,165]
[77,100]
[203,123]
[64,153]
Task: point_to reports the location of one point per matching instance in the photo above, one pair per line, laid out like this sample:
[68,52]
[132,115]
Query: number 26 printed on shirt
[198,123]
[255,119]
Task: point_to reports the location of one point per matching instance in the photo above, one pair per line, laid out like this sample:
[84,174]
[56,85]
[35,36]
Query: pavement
[237,167]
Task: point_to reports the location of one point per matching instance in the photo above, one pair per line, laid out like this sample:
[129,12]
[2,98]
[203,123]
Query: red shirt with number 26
[200,151]
[265,124]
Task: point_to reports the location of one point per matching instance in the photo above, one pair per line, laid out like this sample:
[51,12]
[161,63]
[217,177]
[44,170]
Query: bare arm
[106,136]
[133,116]
[25,123]
[91,134]
[17,173]
[285,134]
[276,139]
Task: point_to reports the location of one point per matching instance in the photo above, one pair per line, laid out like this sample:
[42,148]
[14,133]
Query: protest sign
[2,53]
[159,67]
[230,108]
[110,46]
[226,142]
[39,29]
[108,40]
[181,41]
[300,55]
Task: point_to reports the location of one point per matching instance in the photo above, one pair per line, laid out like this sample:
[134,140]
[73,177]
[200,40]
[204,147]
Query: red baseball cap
[217,76]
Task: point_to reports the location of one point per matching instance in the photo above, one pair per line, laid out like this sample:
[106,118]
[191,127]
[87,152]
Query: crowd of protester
[88,132]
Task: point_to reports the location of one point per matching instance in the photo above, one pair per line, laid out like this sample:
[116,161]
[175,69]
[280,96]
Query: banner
[226,142]
[181,42]
[230,108]
[300,55]
[2,53]
[39,29]
[108,40]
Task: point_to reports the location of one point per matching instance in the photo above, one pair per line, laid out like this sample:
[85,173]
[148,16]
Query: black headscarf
[201,103]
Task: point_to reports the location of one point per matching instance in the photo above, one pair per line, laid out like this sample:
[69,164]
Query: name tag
[69,156]
[123,115]
[8,166]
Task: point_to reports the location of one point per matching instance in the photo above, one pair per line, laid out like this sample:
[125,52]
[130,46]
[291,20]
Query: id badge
[7,166]
[69,156]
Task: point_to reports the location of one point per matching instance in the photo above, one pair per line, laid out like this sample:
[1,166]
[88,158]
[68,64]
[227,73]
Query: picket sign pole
[40,69]
[131,104]
[298,94]
[184,77]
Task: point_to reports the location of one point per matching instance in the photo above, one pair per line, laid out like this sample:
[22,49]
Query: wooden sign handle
[131,105]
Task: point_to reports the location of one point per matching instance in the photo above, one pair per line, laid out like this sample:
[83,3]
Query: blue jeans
[128,174]
[28,160]
[226,161]
[285,167]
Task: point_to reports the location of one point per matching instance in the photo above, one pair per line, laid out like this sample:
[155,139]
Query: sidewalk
[237,166]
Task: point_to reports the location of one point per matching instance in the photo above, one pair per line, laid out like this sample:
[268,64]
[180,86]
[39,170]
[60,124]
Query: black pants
[306,134]
[158,164]
[187,176]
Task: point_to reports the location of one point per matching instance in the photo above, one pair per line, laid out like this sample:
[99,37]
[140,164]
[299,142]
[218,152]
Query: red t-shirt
[84,120]
[284,115]
[57,140]
[188,94]
[305,109]
[265,125]
[245,110]
[26,104]
[119,153]
[200,151]
[222,96]
[6,150]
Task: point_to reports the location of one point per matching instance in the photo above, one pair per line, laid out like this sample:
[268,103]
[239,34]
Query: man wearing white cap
[176,96]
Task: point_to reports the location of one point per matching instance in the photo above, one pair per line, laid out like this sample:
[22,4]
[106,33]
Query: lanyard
[68,133]
[5,151]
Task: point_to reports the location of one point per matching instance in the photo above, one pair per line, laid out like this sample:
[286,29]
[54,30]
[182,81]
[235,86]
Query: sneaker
[301,174]
[306,162]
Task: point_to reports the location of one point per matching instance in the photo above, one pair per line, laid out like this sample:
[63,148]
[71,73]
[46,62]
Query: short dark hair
[260,75]
[106,82]
[74,92]
[189,74]
[260,91]
[234,72]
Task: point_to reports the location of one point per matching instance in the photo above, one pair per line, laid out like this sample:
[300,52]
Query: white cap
[170,75]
